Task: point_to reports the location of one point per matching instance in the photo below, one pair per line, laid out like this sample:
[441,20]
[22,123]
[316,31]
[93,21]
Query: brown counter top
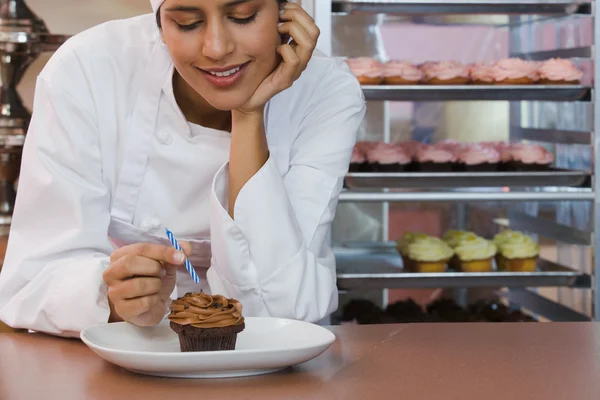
[419,361]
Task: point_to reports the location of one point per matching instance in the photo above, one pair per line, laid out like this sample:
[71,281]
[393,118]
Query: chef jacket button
[146,225]
[165,138]
[155,223]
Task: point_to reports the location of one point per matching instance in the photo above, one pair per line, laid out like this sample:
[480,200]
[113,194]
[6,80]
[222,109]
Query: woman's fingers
[130,266]
[150,250]
[294,12]
[133,308]
[302,44]
[137,277]
[134,288]
[286,76]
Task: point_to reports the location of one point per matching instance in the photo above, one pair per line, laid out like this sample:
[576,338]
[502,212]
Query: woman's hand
[295,56]
[140,280]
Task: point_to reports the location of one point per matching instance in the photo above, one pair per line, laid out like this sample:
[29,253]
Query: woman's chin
[228,105]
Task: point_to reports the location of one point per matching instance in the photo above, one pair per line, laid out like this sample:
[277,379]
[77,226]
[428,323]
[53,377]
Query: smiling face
[223,49]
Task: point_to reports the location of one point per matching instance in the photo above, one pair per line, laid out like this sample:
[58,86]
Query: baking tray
[552,178]
[381,268]
[477,92]
[423,7]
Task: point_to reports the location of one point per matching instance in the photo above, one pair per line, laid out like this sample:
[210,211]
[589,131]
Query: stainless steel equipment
[23,36]
[563,214]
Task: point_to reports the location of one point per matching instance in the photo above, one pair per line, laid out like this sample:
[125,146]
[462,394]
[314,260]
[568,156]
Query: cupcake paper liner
[206,339]
[518,166]
[484,167]
[388,167]
[365,80]
[453,81]
[397,80]
[476,265]
[516,81]
[551,82]
[429,166]
[428,266]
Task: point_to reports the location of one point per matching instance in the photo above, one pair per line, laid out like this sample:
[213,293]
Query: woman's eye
[244,21]
[188,27]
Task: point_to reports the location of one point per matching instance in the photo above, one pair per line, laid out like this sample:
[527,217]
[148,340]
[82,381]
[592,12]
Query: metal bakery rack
[558,115]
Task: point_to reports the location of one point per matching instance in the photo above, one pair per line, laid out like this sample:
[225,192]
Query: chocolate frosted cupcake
[206,323]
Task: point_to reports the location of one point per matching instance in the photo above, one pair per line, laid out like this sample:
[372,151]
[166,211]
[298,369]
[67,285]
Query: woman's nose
[217,42]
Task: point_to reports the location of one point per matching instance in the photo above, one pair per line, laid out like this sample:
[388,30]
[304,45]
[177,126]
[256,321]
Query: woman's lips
[225,78]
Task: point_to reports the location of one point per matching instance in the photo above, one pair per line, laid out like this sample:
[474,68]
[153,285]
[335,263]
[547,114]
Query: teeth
[226,73]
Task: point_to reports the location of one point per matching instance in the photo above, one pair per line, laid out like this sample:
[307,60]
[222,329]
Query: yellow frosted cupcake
[402,246]
[429,254]
[518,254]
[499,240]
[504,236]
[452,239]
[475,254]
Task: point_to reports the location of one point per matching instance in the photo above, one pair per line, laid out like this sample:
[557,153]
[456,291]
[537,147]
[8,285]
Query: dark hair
[281,3]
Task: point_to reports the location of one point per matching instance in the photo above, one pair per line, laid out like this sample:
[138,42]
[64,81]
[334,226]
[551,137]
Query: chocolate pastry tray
[373,267]
[478,92]
[550,178]
[420,7]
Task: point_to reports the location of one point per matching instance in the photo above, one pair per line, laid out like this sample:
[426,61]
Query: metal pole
[596,141]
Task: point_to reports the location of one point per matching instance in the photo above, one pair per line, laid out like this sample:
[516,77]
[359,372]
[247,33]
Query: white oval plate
[266,345]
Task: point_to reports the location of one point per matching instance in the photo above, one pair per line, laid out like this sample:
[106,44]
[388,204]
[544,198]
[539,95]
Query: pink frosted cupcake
[400,73]
[365,146]
[478,158]
[387,157]
[451,145]
[358,162]
[412,147]
[435,159]
[530,157]
[514,71]
[445,73]
[558,71]
[367,70]
[503,150]
[482,74]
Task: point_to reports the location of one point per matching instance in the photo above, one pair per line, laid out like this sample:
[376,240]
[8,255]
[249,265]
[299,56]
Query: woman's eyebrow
[192,9]
[179,8]
[235,3]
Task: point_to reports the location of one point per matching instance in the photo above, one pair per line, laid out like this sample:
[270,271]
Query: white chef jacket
[110,160]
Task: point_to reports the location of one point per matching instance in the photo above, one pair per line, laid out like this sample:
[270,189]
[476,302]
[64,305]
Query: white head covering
[156,5]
